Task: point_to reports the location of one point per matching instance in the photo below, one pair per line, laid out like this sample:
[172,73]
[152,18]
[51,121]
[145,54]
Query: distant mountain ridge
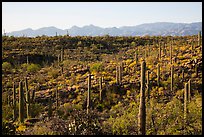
[151,29]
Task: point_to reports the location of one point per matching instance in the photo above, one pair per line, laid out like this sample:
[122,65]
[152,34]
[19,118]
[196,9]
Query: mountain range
[151,29]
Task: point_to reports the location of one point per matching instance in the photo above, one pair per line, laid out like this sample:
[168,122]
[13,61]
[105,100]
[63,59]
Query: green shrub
[6,66]
[123,119]
[33,67]
[96,67]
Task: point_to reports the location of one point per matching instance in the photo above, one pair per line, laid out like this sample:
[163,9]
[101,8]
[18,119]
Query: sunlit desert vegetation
[106,85]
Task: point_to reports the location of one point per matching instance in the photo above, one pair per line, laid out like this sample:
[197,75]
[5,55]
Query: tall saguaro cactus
[189,90]
[29,99]
[117,75]
[171,53]
[57,98]
[50,107]
[62,54]
[148,86]
[185,105]
[120,72]
[27,60]
[14,102]
[100,88]
[172,77]
[160,51]
[21,102]
[88,95]
[58,60]
[142,108]
[199,38]
[158,74]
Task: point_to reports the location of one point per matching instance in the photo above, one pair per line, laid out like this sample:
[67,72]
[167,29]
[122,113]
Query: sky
[63,15]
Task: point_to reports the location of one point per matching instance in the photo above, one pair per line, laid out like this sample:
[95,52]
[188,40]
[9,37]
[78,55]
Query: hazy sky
[64,15]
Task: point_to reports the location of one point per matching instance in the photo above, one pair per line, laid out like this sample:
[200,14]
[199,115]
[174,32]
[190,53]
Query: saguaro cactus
[148,50]
[117,75]
[100,88]
[199,38]
[62,54]
[189,90]
[120,72]
[21,102]
[148,86]
[58,59]
[57,98]
[160,51]
[142,108]
[136,57]
[171,53]
[185,105]
[27,60]
[158,74]
[50,107]
[172,77]
[88,95]
[14,102]
[164,49]
[29,99]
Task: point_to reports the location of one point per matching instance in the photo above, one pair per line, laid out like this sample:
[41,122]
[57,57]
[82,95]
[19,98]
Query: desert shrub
[67,108]
[6,66]
[96,67]
[194,117]
[33,67]
[36,109]
[24,66]
[169,118]
[123,119]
